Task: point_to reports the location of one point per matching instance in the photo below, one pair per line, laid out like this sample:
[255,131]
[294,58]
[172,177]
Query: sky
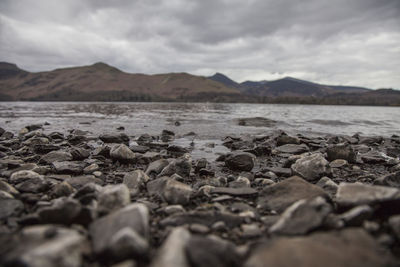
[347,42]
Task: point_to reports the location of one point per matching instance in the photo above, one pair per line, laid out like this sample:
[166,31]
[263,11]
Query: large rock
[341,151]
[113,197]
[355,194]
[311,167]
[181,166]
[10,207]
[122,153]
[127,243]
[349,247]
[62,211]
[54,156]
[46,246]
[302,217]
[71,167]
[135,181]
[22,176]
[135,216]
[283,194]
[170,190]
[29,181]
[156,167]
[286,139]
[292,149]
[392,179]
[172,252]
[240,161]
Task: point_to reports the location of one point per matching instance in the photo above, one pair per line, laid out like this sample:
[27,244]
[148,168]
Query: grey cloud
[339,42]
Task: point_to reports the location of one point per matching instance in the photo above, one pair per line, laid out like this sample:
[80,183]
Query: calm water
[207,120]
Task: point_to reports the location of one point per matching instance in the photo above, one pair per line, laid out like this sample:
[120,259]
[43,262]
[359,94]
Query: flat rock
[392,179]
[328,185]
[54,156]
[302,217]
[62,211]
[69,167]
[21,176]
[292,149]
[122,153]
[311,167]
[243,191]
[135,181]
[181,166]
[114,138]
[134,216]
[281,195]
[240,161]
[350,247]
[80,181]
[156,167]
[10,207]
[355,194]
[170,190]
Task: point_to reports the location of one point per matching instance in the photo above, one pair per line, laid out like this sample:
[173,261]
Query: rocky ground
[71,199]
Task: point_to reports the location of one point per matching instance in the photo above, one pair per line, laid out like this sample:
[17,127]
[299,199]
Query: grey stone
[62,211]
[5,195]
[181,166]
[341,151]
[392,179]
[302,217]
[80,181]
[283,194]
[62,189]
[79,153]
[357,215]
[10,207]
[338,163]
[240,161]
[350,247]
[21,176]
[292,149]
[394,223]
[135,181]
[328,185]
[71,167]
[91,168]
[170,190]
[311,167]
[115,138]
[6,187]
[156,167]
[134,216]
[122,153]
[355,194]
[172,252]
[33,185]
[54,156]
[243,191]
[286,139]
[113,197]
[127,243]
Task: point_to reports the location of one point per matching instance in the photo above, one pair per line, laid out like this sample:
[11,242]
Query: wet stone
[311,167]
[54,156]
[169,190]
[240,161]
[122,153]
[116,138]
[292,149]
[341,151]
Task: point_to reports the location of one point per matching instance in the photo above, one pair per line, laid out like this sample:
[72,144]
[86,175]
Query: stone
[127,243]
[29,182]
[62,189]
[113,197]
[355,194]
[198,252]
[302,217]
[199,228]
[292,149]
[338,163]
[328,185]
[311,167]
[134,216]
[240,161]
[357,215]
[5,195]
[172,209]
[62,211]
[80,181]
[6,187]
[169,190]
[115,138]
[47,246]
[10,207]
[167,136]
[172,252]
[135,181]
[392,179]
[156,167]
[79,153]
[240,182]
[394,223]
[286,139]
[240,192]
[21,176]
[91,168]
[251,230]
[122,153]
[181,166]
[341,151]
[54,156]
[279,171]
[373,157]
[69,167]
[281,195]
[139,149]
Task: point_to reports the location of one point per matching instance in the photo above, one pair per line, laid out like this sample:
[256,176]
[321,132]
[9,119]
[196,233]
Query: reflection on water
[207,120]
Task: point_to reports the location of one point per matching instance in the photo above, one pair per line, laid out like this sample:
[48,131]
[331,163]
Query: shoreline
[148,202]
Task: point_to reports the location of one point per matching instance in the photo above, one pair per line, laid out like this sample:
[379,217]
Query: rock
[201,164]
[302,217]
[10,207]
[199,228]
[240,161]
[156,167]
[167,136]
[122,153]
[63,189]
[198,252]
[394,223]
[172,252]
[283,194]
[117,138]
[54,156]
[91,168]
[240,182]
[5,195]
[181,166]
[279,171]
[47,246]
[80,181]
[311,167]
[134,216]
[135,181]
[349,247]
[207,218]
[286,139]
[169,190]
[341,151]
[373,157]
[392,179]
[71,167]
[127,243]
[338,163]
[79,153]
[328,185]
[139,149]
[6,187]
[292,149]
[251,230]
[150,157]
[29,181]
[21,176]
[355,194]
[357,215]
[242,192]
[62,211]
[256,122]
[113,197]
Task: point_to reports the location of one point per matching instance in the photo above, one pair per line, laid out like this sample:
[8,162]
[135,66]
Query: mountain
[101,82]
[219,77]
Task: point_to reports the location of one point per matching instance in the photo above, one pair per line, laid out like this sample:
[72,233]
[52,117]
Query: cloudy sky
[353,42]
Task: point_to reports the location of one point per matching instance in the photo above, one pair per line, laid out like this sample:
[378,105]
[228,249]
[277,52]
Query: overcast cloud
[354,42]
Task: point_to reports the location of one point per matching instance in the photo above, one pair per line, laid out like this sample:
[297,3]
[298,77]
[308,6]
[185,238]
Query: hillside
[101,82]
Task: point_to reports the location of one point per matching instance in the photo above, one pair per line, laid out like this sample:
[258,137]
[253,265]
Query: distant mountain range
[101,82]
